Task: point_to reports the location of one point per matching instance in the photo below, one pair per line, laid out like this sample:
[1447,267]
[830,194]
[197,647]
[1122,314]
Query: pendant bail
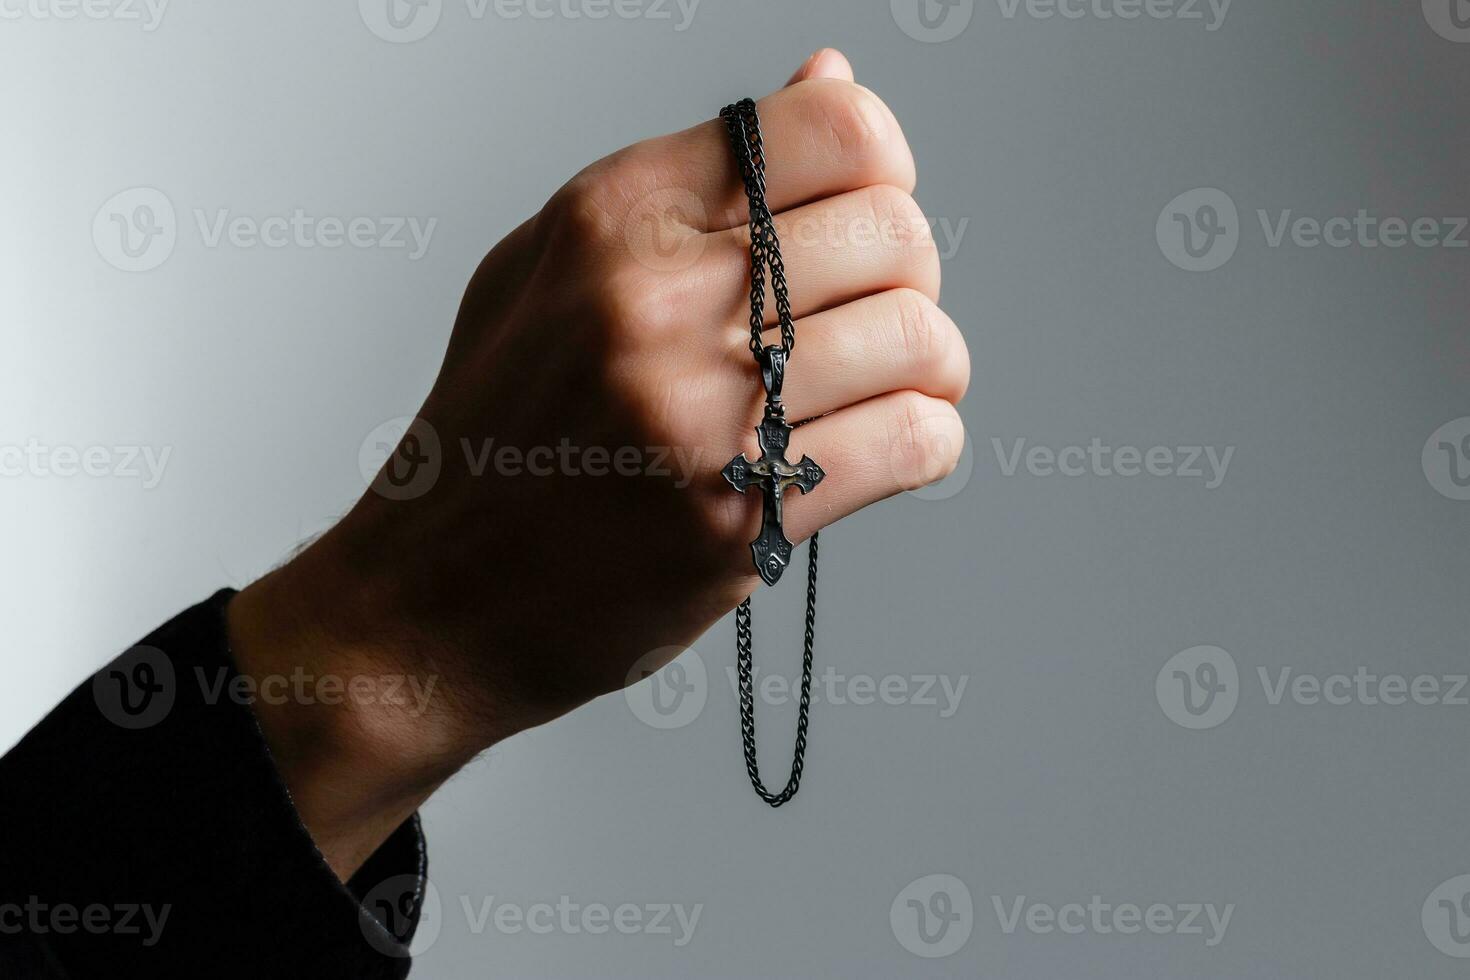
[773,372]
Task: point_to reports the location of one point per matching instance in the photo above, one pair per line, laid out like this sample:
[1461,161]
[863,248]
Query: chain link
[747,696]
[743,125]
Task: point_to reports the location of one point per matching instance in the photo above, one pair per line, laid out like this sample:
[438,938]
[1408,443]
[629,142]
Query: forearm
[148,833]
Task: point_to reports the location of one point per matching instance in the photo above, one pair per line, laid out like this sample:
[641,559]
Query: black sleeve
[145,832]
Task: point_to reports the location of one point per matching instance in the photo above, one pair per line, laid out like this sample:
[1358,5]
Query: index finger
[822,136]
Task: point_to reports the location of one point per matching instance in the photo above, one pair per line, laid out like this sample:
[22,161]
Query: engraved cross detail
[774,475]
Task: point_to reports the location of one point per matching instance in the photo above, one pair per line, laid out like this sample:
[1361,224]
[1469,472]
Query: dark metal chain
[743,125]
[747,697]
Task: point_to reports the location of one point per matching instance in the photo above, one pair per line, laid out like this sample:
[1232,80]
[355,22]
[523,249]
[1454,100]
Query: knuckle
[855,122]
[926,438]
[636,308]
[578,214]
[903,217]
[921,336]
[616,302]
[931,339]
[904,228]
[890,206]
[854,117]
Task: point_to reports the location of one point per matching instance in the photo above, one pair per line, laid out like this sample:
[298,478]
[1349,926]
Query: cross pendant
[774,475]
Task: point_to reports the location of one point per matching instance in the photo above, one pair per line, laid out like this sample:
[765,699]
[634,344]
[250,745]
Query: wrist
[361,731]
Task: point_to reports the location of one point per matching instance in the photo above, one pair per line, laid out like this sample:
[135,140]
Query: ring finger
[892,341]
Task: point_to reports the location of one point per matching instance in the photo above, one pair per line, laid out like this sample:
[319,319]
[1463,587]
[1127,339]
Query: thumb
[824,63]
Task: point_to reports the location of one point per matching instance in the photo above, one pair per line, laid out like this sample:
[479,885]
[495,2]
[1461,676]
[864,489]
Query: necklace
[771,549]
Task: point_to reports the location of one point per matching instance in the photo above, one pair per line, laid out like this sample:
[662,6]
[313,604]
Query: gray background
[1058,598]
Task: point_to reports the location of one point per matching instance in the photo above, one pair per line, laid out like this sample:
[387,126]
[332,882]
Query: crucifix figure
[773,474]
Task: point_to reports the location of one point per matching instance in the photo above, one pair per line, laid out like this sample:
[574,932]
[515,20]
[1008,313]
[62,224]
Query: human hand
[609,334]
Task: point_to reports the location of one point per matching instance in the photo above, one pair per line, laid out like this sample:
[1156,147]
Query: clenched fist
[612,329]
